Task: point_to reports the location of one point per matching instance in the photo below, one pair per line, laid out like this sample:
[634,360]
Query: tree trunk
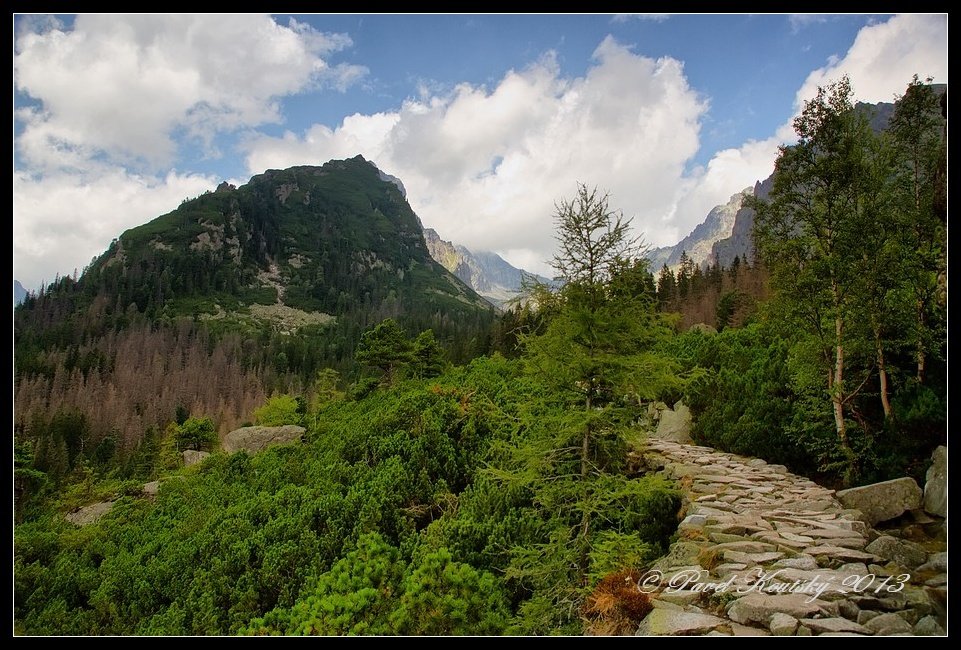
[882,373]
[919,354]
[837,387]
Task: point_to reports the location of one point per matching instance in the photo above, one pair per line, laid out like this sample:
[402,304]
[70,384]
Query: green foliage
[371,591]
[196,433]
[427,357]
[385,347]
[856,247]
[356,596]
[596,358]
[444,597]
[747,398]
[279,410]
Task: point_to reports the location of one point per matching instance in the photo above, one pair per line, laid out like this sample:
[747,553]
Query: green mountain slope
[311,242]
[235,294]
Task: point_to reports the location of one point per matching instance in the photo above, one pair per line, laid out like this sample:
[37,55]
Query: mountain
[718,225]
[305,244]
[739,242]
[487,273]
[236,294]
[19,293]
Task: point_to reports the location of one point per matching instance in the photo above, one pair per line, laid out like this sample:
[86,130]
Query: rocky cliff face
[19,293]
[718,225]
[486,273]
[740,242]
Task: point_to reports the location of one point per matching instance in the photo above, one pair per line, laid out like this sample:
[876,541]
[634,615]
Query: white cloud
[114,93]
[881,61]
[623,18]
[800,21]
[485,165]
[128,85]
[482,165]
[64,219]
[884,56]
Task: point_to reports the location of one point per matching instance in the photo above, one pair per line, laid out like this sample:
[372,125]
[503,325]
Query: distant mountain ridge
[326,251]
[698,245]
[740,241]
[487,273]
[726,232]
[19,293]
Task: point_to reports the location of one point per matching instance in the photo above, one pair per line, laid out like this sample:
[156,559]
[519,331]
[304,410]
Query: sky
[488,120]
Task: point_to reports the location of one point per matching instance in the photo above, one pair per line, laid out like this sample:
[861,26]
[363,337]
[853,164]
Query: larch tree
[596,360]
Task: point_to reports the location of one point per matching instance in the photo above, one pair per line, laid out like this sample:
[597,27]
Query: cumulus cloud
[128,85]
[62,221]
[883,58]
[485,165]
[623,18]
[482,164]
[880,62]
[111,94]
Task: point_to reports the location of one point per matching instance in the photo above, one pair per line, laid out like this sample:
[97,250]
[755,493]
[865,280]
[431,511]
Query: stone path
[763,552]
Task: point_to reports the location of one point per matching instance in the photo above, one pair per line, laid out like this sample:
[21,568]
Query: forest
[486,489]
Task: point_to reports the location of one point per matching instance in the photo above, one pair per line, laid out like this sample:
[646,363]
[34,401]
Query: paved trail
[784,556]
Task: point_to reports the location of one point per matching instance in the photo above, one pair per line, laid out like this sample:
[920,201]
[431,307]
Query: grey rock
[883,501]
[254,439]
[674,425]
[928,626]
[192,457]
[833,625]
[848,610]
[745,546]
[726,569]
[841,553]
[914,614]
[803,631]
[936,483]
[759,608]
[936,562]
[682,553]
[663,604]
[751,559]
[888,624]
[721,538]
[680,597]
[747,630]
[89,514]
[866,615]
[900,551]
[803,562]
[151,488]
[693,521]
[667,622]
[782,624]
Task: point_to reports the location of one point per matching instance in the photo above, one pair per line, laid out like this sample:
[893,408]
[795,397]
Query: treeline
[712,294]
[844,374]
[101,401]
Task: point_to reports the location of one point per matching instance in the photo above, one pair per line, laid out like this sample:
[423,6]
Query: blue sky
[487,119]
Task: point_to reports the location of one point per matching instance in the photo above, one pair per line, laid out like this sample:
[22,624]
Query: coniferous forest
[462,470]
